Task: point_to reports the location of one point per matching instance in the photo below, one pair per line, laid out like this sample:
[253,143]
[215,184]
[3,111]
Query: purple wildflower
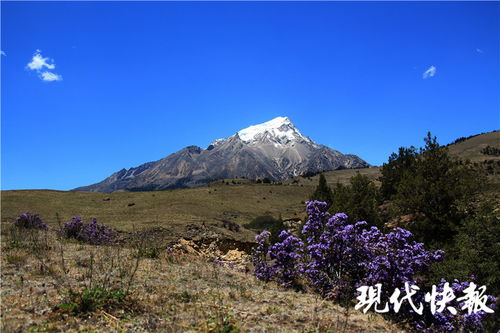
[30,221]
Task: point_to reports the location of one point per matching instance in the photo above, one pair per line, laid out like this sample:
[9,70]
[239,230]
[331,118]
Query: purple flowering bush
[337,257]
[281,262]
[91,232]
[73,228]
[30,221]
[263,270]
[336,251]
[287,256]
[395,259]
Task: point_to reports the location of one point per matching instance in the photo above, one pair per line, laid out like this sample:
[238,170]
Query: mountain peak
[279,130]
[274,149]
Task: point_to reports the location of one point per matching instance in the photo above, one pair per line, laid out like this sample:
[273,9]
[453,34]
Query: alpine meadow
[253,166]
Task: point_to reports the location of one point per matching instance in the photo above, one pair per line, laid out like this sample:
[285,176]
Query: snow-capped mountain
[275,149]
[280,131]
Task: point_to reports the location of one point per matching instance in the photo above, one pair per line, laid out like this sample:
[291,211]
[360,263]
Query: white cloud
[49,76]
[38,62]
[479,51]
[3,53]
[430,72]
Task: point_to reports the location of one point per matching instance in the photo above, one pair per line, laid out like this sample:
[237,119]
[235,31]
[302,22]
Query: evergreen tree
[392,172]
[359,200]
[323,192]
[435,190]
[475,250]
[479,247]
[341,199]
[365,199]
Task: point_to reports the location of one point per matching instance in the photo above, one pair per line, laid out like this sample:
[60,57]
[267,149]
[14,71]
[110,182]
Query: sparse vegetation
[489,150]
[149,252]
[110,289]
[92,299]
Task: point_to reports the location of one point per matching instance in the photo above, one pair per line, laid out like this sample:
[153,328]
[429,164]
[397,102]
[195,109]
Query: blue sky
[117,84]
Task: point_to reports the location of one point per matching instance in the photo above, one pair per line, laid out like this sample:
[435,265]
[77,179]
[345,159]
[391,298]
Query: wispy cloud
[479,51]
[49,76]
[3,53]
[38,63]
[430,72]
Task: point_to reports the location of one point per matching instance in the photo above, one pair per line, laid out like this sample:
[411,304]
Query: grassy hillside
[468,149]
[471,148]
[237,200]
[334,177]
[48,289]
[171,209]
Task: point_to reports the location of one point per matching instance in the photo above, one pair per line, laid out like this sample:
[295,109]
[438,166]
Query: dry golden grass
[127,211]
[174,209]
[334,177]
[471,149]
[173,293]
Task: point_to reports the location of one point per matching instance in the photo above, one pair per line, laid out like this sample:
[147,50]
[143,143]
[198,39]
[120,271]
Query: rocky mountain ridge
[275,149]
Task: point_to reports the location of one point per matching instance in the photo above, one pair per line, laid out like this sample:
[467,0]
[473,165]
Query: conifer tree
[323,192]
[359,200]
[434,189]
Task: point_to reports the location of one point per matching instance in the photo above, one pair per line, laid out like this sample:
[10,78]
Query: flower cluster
[282,262]
[30,221]
[337,257]
[287,256]
[395,258]
[92,232]
[344,256]
[263,270]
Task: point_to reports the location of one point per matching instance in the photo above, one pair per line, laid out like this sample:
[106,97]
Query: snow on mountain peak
[217,142]
[280,131]
[280,128]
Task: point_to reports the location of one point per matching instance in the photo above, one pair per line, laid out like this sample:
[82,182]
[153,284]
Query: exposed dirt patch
[200,234]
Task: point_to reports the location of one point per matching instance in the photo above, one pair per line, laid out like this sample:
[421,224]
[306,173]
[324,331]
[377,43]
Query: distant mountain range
[275,149]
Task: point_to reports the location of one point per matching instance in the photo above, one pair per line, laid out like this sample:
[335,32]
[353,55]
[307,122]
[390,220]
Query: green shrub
[269,223]
[149,252]
[92,299]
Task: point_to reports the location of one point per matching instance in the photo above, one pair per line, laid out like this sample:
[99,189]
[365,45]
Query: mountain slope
[275,150]
[471,148]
